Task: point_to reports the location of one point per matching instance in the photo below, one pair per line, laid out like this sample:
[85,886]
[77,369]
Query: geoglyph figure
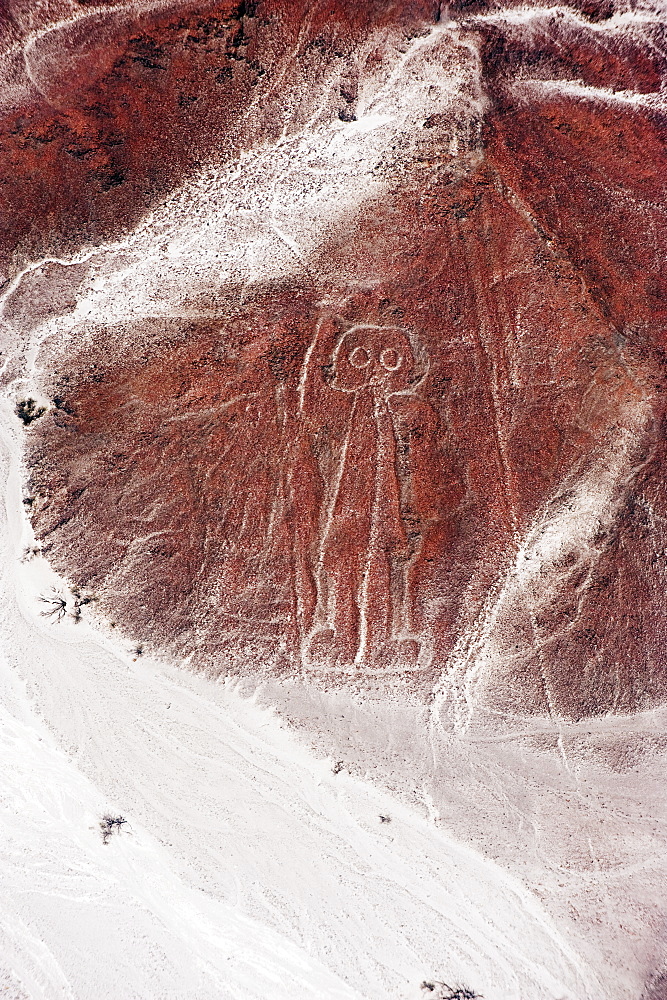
[363,553]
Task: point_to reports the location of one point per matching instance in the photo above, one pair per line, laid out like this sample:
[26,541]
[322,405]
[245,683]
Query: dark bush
[109,824]
[28,410]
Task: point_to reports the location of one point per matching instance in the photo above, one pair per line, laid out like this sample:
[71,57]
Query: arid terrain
[335,535]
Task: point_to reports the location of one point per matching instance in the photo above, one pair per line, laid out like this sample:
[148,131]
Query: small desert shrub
[109,824]
[28,410]
[441,991]
[56,606]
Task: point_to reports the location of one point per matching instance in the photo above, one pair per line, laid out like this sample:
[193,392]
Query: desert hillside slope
[333,434]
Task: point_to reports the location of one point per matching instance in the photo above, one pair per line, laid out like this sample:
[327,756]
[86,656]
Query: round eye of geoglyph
[390,359]
[359,358]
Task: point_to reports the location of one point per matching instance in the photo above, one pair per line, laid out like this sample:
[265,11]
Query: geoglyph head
[376,357]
